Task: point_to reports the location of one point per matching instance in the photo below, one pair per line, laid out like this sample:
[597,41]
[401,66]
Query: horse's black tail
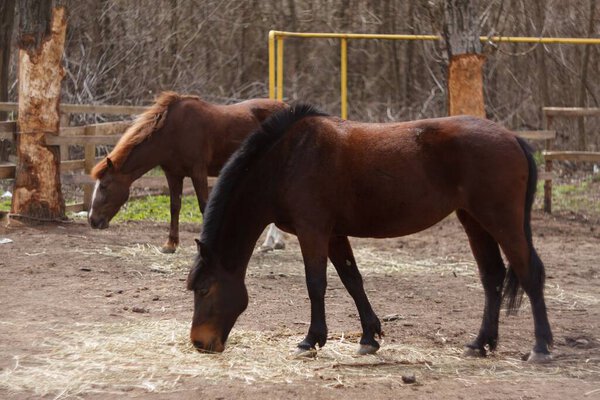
[513,291]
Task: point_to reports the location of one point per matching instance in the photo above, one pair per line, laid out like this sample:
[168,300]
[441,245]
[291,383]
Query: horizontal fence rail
[89,136]
[85,109]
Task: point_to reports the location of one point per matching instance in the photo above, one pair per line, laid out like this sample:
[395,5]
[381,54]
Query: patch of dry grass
[157,356]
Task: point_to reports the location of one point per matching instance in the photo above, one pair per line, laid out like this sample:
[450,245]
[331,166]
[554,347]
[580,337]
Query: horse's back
[394,179]
[204,135]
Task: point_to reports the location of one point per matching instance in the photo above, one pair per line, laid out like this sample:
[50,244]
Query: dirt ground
[85,314]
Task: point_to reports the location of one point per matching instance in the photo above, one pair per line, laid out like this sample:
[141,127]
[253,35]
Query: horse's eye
[202,292]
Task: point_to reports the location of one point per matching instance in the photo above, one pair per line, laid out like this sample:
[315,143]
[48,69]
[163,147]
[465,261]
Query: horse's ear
[203,250]
[109,163]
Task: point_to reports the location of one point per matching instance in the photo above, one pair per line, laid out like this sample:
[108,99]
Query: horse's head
[110,193]
[220,297]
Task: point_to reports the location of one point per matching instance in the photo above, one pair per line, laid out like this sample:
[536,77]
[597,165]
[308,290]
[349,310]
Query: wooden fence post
[88,165]
[548,168]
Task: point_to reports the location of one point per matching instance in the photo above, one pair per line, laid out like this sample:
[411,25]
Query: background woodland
[125,52]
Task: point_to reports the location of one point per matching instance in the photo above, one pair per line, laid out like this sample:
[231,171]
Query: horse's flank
[144,125]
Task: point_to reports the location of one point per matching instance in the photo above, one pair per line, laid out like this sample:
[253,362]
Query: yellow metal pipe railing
[276,77]
[344,76]
[280,68]
[271,64]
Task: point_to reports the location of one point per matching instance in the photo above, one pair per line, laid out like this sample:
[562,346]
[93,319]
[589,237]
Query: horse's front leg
[340,254]
[200,182]
[175,189]
[314,253]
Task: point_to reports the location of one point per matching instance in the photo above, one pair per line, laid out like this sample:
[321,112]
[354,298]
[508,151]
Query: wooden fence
[550,155]
[90,136]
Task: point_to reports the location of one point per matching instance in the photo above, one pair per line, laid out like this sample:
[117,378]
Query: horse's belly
[386,220]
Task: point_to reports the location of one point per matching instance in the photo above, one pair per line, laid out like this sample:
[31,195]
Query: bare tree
[125,52]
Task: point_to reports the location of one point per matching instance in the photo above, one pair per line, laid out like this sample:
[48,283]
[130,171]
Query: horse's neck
[143,158]
[241,228]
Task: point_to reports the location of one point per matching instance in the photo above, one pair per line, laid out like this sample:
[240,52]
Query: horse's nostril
[198,344]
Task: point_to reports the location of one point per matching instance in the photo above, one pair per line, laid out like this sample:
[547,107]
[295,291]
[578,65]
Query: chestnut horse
[187,137]
[324,179]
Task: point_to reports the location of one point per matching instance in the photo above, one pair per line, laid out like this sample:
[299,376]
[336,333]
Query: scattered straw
[156,356]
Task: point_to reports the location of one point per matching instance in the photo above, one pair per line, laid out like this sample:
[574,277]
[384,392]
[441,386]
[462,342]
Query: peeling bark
[37,187]
[465,85]
[465,72]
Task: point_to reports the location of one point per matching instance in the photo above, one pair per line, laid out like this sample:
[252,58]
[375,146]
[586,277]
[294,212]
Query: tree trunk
[7,16]
[465,72]
[41,42]
[542,77]
[584,73]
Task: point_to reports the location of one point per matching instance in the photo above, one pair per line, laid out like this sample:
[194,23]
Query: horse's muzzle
[210,348]
[101,223]
[205,340]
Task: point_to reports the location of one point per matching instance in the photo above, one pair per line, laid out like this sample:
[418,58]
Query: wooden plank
[7,130]
[545,176]
[87,109]
[72,130]
[7,136]
[75,179]
[8,106]
[74,165]
[145,182]
[52,140]
[571,156]
[107,128]
[77,207]
[71,165]
[7,171]
[8,126]
[537,135]
[571,111]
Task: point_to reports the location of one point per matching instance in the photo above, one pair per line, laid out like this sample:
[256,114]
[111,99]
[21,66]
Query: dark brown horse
[187,137]
[324,179]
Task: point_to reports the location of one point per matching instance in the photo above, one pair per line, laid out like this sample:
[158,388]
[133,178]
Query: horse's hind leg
[340,254]
[527,270]
[175,189]
[491,271]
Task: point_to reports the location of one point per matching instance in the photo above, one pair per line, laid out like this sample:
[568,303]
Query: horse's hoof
[471,352]
[265,249]
[539,358]
[166,249]
[305,353]
[365,349]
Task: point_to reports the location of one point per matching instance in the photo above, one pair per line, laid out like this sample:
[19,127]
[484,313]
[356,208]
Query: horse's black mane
[234,171]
